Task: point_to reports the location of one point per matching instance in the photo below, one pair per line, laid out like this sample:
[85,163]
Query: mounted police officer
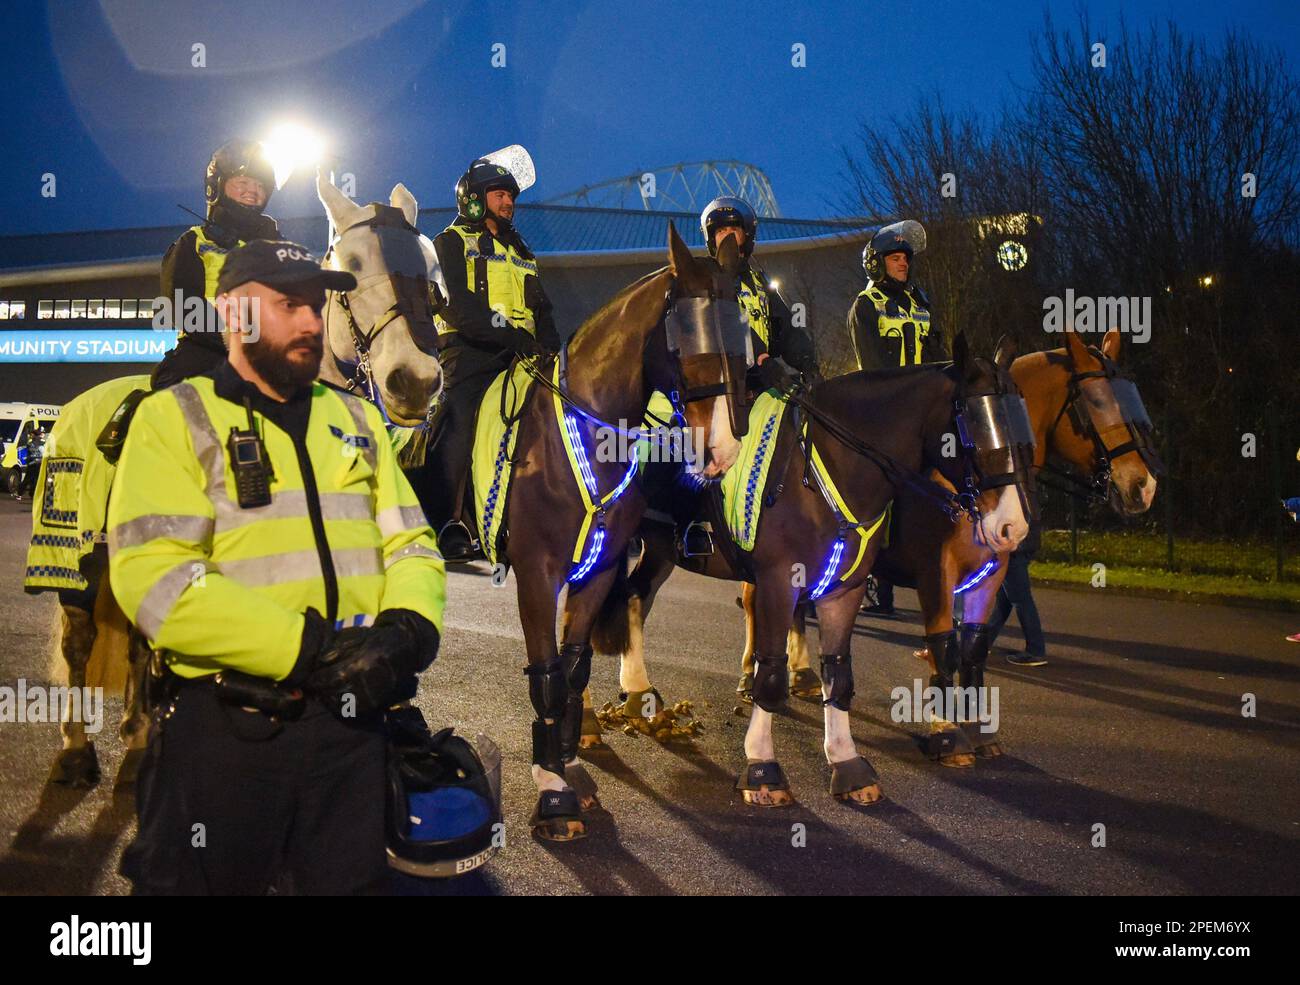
[778,344]
[238,185]
[292,587]
[494,309]
[890,320]
[890,324]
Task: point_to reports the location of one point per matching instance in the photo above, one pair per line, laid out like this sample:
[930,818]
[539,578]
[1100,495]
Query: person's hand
[365,668]
[774,375]
[527,345]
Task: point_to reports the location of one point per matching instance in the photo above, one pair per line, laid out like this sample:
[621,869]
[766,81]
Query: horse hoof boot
[577,777]
[986,744]
[855,781]
[745,688]
[806,684]
[77,767]
[950,747]
[590,738]
[557,816]
[129,771]
[763,784]
[644,704]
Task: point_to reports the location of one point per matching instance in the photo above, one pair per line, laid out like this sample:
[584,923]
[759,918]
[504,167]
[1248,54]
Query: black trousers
[190,357]
[467,373]
[1016,592]
[230,803]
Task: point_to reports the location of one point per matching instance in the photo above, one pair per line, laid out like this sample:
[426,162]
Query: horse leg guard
[944,649]
[771,681]
[947,743]
[974,656]
[855,776]
[557,814]
[575,659]
[837,672]
[548,690]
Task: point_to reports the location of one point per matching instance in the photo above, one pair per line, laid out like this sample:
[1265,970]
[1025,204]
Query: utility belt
[239,690]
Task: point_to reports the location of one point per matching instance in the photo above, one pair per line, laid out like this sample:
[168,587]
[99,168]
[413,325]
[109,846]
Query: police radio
[251,467]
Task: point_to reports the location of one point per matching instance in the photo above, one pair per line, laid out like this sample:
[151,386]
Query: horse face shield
[995,428]
[710,338]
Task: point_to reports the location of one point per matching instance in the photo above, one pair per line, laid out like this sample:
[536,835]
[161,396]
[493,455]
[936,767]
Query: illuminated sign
[103,345]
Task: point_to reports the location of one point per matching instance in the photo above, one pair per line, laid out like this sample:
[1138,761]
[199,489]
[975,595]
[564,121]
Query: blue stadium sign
[107,345]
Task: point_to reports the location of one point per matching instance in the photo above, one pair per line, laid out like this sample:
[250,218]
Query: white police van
[18,421]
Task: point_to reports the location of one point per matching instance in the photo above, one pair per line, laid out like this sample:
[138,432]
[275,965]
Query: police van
[18,422]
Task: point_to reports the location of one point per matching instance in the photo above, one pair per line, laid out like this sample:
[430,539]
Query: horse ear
[729,258]
[338,206]
[1110,345]
[1077,351]
[960,352]
[679,257]
[401,198]
[1004,354]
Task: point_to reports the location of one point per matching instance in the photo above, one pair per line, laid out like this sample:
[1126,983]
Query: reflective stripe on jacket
[218,586]
[503,269]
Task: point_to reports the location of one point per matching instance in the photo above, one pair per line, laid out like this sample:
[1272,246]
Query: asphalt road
[1136,725]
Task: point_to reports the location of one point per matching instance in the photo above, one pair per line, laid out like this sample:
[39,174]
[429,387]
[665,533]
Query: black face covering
[244,222]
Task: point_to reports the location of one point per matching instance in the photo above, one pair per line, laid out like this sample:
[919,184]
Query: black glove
[317,637]
[373,665]
[774,374]
[527,345]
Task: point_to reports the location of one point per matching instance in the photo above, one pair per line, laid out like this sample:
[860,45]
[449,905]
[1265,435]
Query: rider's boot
[455,543]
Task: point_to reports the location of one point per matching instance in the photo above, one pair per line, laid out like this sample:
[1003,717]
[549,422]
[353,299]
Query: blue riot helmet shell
[231,160]
[729,211]
[481,177]
[444,799]
[907,237]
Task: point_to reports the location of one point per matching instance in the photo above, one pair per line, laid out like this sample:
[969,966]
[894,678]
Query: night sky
[102,94]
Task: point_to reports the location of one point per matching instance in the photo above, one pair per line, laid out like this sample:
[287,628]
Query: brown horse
[615,361]
[903,417]
[1076,416]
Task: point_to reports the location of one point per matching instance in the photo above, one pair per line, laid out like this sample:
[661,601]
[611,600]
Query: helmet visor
[908,234]
[518,162]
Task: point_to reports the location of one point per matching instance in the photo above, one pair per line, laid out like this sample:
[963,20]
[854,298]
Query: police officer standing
[263,539]
[238,185]
[890,323]
[494,309]
[773,335]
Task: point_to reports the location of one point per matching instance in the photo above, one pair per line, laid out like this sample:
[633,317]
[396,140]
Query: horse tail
[611,632]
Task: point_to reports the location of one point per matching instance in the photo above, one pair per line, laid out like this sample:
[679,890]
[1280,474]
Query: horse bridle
[1137,430]
[410,300]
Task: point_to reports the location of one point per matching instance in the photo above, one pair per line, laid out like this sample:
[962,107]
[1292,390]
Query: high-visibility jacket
[752,295]
[214,585]
[892,328]
[71,499]
[213,256]
[500,270]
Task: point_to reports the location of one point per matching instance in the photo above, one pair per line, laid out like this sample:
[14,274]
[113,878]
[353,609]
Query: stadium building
[76,308]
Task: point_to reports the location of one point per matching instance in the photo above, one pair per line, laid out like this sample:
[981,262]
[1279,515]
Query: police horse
[380,342]
[548,503]
[1093,439]
[824,471]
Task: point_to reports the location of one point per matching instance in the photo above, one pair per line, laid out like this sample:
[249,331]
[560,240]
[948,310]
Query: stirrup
[697,527]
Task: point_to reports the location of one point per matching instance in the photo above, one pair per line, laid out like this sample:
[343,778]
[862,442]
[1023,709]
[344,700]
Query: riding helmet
[729,211]
[482,177]
[232,159]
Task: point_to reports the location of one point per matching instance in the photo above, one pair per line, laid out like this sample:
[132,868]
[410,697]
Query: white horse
[379,341]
